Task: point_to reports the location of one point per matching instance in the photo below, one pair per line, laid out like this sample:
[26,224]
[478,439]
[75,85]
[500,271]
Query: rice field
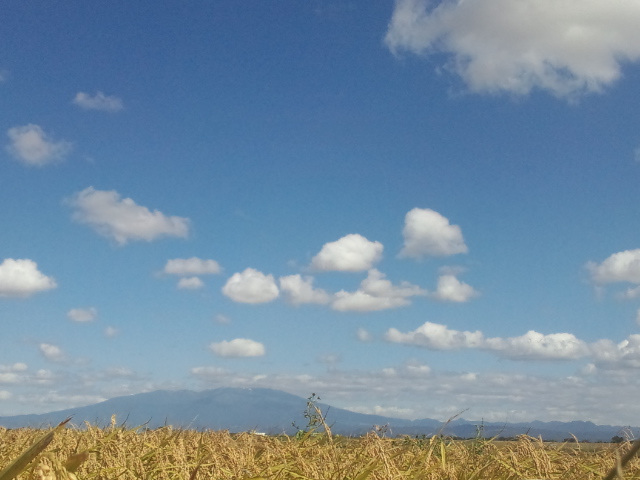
[117,452]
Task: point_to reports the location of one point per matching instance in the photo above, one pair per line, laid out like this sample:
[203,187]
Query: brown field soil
[120,453]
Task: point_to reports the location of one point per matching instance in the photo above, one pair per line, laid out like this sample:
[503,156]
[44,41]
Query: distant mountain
[273,411]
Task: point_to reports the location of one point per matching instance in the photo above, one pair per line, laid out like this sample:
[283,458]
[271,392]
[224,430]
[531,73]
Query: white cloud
[629,293]
[51,352]
[360,301]
[625,354]
[5,395]
[82,315]
[122,219]
[9,377]
[566,47]
[111,332]
[208,372]
[298,290]
[33,147]
[100,101]
[251,286]
[364,335]
[638,317]
[239,347]
[192,266]
[190,283]
[426,232]
[536,346]
[351,253]
[450,289]
[530,346]
[619,267]
[437,337]
[376,293]
[16,367]
[21,278]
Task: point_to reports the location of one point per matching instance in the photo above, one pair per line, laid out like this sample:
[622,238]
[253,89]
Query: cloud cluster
[122,219]
[239,347]
[566,47]
[298,290]
[33,147]
[21,278]
[530,346]
[251,286]
[99,101]
[376,293]
[351,253]
[427,233]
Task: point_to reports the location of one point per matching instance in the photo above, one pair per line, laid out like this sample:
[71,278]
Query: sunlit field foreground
[116,452]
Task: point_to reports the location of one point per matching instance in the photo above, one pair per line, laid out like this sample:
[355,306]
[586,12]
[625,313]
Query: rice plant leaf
[72,463]
[16,467]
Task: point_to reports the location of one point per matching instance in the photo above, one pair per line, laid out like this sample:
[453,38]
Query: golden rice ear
[16,467]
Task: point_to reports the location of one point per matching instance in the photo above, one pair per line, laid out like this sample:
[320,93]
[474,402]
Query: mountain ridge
[275,412]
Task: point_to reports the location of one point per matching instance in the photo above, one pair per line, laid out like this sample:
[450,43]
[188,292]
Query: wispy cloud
[192,266]
[122,219]
[33,147]
[99,101]
[190,283]
[82,315]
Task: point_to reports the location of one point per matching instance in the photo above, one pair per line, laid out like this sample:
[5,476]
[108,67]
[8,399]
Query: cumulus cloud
[536,346]
[122,219]
[427,233]
[82,315]
[190,283]
[351,253]
[450,289]
[619,267]
[566,47]
[609,355]
[99,101]
[251,286]
[239,347]
[376,293]
[530,346]
[21,278]
[51,352]
[33,147]
[298,290]
[437,337]
[5,395]
[192,266]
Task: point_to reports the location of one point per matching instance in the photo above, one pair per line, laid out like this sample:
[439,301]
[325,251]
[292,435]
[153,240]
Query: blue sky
[410,208]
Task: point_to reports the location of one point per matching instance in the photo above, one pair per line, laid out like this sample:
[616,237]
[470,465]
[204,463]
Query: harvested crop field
[166,453]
